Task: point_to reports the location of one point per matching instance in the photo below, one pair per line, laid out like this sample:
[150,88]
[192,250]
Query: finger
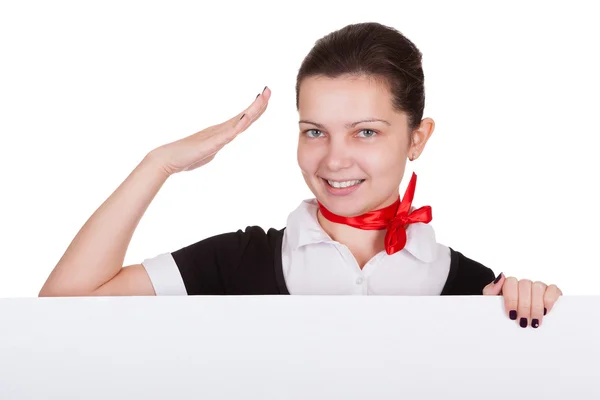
[261,112]
[267,96]
[511,296]
[232,128]
[494,288]
[538,290]
[225,133]
[551,297]
[524,307]
[220,135]
[253,111]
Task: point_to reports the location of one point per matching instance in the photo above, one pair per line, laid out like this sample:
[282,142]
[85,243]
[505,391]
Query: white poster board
[295,347]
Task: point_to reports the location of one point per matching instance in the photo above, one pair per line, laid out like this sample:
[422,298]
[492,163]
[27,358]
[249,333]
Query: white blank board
[295,347]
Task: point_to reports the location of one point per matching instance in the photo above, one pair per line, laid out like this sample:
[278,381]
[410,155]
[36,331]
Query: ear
[419,138]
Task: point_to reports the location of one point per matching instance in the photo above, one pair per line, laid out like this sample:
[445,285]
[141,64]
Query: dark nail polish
[498,278]
[257,96]
[264,89]
[535,323]
[523,322]
[513,314]
[242,116]
[545,311]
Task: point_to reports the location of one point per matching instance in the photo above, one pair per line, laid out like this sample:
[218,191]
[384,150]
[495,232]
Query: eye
[310,132]
[368,133]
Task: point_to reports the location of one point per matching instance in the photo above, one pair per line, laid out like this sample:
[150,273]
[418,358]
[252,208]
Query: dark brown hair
[377,51]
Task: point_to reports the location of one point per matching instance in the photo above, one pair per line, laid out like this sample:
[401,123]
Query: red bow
[394,218]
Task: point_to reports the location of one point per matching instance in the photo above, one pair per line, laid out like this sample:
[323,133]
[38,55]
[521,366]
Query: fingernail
[523,322]
[513,314]
[242,116]
[257,96]
[498,278]
[545,311]
[535,322]
[264,89]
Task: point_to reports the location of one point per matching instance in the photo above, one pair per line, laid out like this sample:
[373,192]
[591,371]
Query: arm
[92,264]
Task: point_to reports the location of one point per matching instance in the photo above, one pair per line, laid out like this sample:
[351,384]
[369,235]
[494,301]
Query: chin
[347,210]
[345,206]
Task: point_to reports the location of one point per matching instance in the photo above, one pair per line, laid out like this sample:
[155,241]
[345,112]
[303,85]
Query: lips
[340,184]
[342,187]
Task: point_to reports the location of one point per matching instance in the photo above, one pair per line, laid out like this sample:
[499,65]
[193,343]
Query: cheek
[383,162]
[307,159]
[379,159]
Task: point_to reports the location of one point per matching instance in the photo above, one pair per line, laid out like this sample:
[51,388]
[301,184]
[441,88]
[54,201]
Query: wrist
[155,162]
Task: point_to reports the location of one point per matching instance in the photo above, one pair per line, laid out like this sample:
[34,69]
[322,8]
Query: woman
[360,97]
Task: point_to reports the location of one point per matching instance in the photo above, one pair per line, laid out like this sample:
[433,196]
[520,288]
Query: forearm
[97,252]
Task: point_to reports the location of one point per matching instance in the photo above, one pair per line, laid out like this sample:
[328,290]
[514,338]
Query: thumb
[495,288]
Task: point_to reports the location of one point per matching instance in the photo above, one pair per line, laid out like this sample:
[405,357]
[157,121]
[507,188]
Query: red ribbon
[394,218]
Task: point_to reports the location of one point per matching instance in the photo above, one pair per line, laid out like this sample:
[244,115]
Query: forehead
[346,96]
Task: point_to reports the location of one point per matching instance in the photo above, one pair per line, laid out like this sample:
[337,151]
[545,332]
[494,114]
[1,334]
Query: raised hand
[200,148]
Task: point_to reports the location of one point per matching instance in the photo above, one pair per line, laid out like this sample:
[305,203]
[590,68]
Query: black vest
[249,263]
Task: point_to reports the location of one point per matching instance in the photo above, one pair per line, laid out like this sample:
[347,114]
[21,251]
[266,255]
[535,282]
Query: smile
[344,184]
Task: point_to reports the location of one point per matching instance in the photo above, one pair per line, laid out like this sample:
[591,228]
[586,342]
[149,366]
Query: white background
[87,89]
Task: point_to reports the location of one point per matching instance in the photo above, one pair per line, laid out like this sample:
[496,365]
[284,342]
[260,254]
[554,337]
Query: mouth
[343,184]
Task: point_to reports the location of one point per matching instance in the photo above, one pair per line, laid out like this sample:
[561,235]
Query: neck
[367,242]
[363,244]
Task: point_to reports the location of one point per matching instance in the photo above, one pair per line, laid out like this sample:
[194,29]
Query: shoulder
[466,276]
[230,263]
[252,239]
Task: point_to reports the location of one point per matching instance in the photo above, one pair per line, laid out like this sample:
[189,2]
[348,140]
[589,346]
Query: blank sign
[295,347]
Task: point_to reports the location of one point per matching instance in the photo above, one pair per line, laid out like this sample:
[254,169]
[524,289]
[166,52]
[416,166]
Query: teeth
[344,184]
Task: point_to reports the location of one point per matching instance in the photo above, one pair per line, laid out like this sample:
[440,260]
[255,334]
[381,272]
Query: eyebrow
[352,125]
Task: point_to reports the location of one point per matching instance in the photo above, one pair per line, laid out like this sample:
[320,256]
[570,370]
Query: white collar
[303,229]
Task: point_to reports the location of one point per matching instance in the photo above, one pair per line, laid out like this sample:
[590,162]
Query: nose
[339,155]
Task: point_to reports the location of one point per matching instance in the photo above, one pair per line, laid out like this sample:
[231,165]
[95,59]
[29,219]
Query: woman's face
[353,146]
